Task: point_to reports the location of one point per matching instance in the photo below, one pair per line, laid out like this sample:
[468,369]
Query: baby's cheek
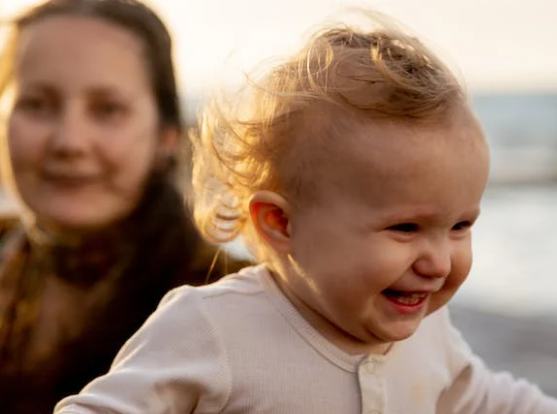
[462,265]
[459,272]
[451,286]
[457,276]
[442,297]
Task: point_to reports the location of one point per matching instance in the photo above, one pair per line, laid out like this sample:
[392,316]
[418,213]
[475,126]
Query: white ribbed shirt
[240,347]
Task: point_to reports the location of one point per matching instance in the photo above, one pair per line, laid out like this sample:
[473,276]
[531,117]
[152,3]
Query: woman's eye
[108,110]
[33,104]
[404,227]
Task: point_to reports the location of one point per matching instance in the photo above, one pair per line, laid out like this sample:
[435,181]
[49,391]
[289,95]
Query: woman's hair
[283,125]
[129,14]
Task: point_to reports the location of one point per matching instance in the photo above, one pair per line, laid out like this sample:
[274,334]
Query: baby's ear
[269,214]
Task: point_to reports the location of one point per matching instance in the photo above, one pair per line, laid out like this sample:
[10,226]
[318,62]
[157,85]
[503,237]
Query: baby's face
[390,240]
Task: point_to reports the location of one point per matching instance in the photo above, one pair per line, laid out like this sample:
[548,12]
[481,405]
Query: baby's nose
[434,262]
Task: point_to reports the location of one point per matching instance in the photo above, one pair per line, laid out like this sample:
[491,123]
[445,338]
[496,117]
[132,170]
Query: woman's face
[83,131]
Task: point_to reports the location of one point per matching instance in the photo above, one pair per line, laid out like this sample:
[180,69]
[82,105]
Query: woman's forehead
[79,48]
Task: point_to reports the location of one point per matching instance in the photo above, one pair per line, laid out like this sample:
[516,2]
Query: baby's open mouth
[405,298]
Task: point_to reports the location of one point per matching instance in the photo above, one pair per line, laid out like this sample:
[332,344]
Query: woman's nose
[69,136]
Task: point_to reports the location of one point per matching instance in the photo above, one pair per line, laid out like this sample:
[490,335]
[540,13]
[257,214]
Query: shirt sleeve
[174,364]
[478,390]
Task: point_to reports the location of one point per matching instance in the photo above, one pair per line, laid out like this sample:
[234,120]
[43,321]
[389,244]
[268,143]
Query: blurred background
[505,52]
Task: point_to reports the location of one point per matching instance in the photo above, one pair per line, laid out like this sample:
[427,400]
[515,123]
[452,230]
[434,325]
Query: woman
[92,144]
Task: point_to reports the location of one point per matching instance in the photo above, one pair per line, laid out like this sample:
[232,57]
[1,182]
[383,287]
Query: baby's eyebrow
[411,213]
[427,214]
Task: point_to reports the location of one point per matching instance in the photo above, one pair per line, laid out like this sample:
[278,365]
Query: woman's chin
[75,221]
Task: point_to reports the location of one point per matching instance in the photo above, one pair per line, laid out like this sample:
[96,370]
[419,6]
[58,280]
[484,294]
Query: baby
[354,171]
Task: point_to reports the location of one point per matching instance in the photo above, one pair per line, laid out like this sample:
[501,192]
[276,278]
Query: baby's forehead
[344,137]
[346,151]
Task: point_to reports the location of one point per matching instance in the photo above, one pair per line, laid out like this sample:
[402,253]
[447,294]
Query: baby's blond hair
[278,130]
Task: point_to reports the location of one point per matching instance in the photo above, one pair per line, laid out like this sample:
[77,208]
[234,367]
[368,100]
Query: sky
[494,44]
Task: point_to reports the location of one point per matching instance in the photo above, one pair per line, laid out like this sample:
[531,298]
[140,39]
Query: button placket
[370,366]
[372,386]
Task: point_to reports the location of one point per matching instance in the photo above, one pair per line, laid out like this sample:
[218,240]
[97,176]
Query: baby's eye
[462,225]
[404,228]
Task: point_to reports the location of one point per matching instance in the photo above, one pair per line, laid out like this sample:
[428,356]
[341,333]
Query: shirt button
[370,369]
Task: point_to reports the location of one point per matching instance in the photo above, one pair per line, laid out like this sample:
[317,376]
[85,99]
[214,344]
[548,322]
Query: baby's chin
[404,329]
[395,331]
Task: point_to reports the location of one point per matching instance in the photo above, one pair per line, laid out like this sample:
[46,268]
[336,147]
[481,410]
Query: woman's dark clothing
[133,265]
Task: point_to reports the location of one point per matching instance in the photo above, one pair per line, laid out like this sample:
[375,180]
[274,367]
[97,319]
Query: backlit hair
[275,132]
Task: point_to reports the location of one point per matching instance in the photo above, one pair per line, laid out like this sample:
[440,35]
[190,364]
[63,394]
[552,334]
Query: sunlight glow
[514,52]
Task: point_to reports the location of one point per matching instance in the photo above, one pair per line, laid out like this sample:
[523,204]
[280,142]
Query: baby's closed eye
[462,225]
[404,227]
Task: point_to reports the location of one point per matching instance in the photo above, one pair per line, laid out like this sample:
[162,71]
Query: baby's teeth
[411,299]
[417,295]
